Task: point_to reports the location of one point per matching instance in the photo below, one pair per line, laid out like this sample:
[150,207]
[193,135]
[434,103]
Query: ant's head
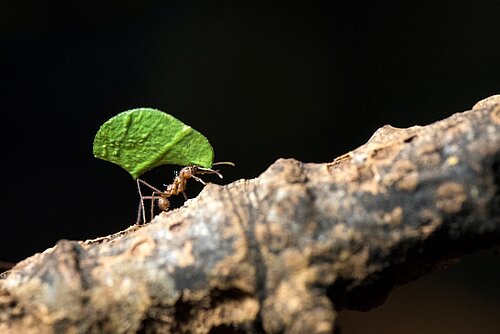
[201,170]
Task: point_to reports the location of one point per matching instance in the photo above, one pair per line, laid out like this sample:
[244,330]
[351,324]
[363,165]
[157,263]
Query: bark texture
[284,252]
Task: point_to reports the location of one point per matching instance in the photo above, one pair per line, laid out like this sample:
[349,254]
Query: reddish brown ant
[178,186]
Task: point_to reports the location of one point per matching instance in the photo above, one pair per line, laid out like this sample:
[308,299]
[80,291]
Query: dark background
[262,80]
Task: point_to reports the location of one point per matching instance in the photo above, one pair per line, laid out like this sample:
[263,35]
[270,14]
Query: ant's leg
[185,196]
[139,212]
[155,191]
[148,185]
[141,204]
[152,205]
[155,195]
[198,179]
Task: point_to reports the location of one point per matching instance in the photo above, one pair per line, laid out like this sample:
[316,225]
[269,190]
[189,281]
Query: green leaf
[141,139]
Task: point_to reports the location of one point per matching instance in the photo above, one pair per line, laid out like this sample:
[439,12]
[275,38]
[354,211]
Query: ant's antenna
[201,170]
[213,171]
[224,163]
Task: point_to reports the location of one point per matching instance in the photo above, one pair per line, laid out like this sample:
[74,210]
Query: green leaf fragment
[141,139]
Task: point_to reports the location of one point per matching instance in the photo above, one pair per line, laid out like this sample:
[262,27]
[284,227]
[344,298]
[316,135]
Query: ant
[178,186]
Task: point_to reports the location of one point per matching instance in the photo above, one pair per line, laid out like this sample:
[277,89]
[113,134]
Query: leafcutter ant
[176,187]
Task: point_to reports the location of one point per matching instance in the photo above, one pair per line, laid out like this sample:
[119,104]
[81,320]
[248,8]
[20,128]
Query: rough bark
[281,253]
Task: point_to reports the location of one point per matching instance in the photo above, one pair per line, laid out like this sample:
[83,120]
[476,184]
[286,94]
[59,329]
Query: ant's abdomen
[163,204]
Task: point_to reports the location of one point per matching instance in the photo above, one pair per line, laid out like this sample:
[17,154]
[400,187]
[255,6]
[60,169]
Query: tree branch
[281,253]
